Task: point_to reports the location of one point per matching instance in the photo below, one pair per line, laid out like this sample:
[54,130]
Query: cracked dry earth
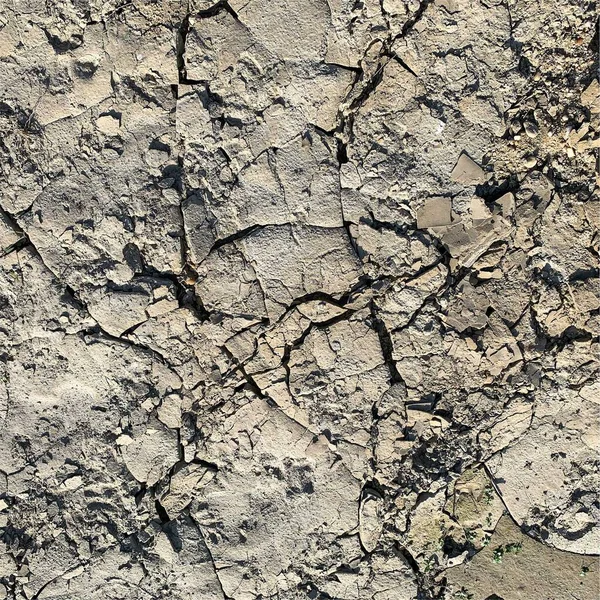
[299,299]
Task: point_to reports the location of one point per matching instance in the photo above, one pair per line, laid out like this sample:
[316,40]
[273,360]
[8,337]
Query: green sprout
[498,554]
[488,493]
[515,547]
[500,551]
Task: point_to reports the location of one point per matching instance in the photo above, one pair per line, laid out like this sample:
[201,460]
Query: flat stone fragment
[591,96]
[436,212]
[467,171]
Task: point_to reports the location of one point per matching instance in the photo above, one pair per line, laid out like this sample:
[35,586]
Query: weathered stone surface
[299,299]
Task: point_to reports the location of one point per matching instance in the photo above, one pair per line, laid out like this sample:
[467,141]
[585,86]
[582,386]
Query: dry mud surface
[299,299]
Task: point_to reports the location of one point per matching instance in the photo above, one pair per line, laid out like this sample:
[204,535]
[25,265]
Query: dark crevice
[387,347]
[181,41]
[140,494]
[20,243]
[17,246]
[238,235]
[404,65]
[584,274]
[161,512]
[410,23]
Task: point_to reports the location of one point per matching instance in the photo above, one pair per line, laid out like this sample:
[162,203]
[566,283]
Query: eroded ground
[299,299]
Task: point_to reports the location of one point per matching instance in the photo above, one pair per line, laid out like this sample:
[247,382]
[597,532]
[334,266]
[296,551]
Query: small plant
[488,493]
[429,564]
[500,551]
[498,554]
[462,594]
[514,547]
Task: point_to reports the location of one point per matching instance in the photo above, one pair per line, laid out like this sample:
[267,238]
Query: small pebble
[531,129]
[530,162]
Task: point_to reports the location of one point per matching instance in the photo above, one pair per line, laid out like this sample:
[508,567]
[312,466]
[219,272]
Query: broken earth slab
[277,265]
[513,566]
[267,460]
